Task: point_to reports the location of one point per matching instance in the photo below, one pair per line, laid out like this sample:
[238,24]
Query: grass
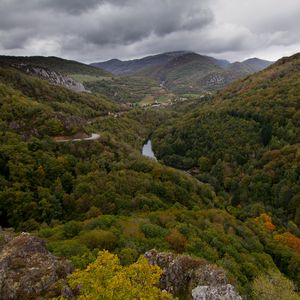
[89,78]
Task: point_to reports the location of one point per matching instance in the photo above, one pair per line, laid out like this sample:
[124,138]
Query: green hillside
[246,142]
[56,64]
[87,196]
[33,107]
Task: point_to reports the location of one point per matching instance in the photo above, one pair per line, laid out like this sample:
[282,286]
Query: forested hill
[33,107]
[52,63]
[57,71]
[240,211]
[246,142]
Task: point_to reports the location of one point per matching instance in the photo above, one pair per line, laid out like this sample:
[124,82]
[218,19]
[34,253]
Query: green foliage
[99,239]
[242,149]
[244,249]
[152,230]
[245,142]
[126,89]
[266,134]
[33,107]
[56,64]
[71,229]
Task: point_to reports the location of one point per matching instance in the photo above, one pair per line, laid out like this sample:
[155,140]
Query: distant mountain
[119,67]
[257,64]
[185,72]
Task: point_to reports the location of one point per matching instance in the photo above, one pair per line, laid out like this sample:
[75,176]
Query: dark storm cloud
[79,6]
[134,23]
[100,22]
[90,30]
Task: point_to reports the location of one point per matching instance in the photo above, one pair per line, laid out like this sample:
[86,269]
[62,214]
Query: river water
[147,150]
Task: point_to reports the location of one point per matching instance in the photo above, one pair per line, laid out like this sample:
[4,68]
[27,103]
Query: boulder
[220,292]
[193,277]
[29,271]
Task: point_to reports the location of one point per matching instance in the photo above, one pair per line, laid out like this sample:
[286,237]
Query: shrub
[176,240]
[273,286]
[152,230]
[72,229]
[100,239]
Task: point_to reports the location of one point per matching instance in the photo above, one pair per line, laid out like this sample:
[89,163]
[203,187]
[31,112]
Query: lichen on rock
[28,270]
[193,277]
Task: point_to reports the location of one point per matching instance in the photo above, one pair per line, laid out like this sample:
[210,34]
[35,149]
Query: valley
[177,152]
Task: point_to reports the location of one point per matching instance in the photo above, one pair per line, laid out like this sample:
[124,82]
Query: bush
[68,248]
[273,286]
[72,229]
[102,222]
[100,239]
[152,230]
[128,256]
[176,240]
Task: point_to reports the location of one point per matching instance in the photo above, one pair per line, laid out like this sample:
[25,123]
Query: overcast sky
[96,30]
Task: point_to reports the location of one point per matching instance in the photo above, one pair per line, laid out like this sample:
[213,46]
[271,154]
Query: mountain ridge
[185,72]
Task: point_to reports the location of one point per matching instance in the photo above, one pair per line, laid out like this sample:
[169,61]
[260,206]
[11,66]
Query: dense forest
[245,142]
[226,187]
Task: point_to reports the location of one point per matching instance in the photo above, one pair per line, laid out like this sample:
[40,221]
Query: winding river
[147,150]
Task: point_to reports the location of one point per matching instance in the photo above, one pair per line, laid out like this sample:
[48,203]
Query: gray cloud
[79,6]
[92,30]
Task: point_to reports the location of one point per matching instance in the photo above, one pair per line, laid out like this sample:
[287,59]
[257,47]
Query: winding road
[93,137]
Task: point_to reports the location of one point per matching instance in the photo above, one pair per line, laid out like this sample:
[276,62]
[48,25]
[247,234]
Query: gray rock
[220,292]
[52,77]
[194,277]
[28,270]
[57,79]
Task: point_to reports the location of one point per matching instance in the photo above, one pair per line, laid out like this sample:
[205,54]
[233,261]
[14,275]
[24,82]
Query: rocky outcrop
[221,292]
[52,77]
[29,271]
[193,277]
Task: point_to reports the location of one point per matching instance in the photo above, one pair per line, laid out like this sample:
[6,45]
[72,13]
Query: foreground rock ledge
[29,271]
[193,277]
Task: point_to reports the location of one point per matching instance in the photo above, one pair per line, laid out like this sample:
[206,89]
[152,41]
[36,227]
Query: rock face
[29,271]
[193,277]
[53,77]
[222,292]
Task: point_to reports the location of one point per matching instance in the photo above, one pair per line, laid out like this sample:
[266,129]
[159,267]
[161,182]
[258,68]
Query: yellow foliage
[106,279]
[273,285]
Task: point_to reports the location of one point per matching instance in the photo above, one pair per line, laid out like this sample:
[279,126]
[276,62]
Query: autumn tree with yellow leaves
[106,279]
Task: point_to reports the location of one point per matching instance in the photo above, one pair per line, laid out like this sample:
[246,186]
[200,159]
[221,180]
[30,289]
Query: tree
[266,134]
[106,279]
[273,286]
[176,240]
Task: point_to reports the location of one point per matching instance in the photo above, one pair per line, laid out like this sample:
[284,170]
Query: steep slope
[256,64]
[246,142]
[57,71]
[33,107]
[93,195]
[186,72]
[56,64]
